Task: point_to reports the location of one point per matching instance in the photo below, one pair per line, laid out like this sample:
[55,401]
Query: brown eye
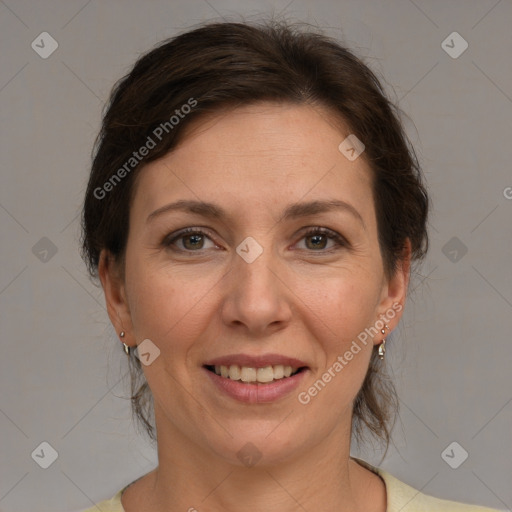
[317,240]
[188,240]
[193,241]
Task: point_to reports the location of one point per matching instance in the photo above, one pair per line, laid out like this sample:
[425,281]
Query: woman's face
[281,268]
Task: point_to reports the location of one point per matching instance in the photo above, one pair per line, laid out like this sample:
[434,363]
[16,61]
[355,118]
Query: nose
[257,299]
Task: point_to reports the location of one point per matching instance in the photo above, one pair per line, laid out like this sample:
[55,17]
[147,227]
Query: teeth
[265,374]
[278,371]
[234,372]
[250,374]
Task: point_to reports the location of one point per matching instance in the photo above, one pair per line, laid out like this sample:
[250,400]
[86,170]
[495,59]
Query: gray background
[62,370]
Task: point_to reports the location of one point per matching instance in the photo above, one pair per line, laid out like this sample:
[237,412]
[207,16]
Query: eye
[317,239]
[189,240]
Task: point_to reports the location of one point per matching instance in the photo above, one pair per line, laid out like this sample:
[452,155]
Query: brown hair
[221,65]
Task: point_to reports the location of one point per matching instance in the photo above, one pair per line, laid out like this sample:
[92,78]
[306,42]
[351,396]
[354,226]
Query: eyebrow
[292,211]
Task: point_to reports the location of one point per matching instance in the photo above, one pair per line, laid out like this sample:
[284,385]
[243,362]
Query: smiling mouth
[252,375]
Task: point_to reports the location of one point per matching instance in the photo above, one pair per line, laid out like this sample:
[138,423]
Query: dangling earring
[382,346]
[382,349]
[126,347]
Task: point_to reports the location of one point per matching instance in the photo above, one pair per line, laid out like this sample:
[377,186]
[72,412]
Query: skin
[296,299]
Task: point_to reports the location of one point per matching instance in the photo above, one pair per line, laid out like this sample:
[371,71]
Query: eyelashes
[195,238]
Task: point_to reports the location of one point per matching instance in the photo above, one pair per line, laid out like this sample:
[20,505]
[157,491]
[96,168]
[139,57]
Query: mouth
[254,375]
[253,379]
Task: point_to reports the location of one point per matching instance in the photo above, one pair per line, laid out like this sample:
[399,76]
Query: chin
[257,443]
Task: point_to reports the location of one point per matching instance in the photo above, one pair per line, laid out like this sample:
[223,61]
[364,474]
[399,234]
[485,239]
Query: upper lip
[256,361]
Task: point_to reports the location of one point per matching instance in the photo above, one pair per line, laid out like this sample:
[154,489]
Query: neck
[322,476]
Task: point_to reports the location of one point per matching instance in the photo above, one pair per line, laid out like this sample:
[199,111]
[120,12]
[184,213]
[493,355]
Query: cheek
[339,313]
[164,306]
[153,299]
[340,309]
[344,302]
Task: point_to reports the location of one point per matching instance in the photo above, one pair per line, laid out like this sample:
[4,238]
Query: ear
[394,291]
[115,295]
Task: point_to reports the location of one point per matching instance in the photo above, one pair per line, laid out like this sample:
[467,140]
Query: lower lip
[256,393]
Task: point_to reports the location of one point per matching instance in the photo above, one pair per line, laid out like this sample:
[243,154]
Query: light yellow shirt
[400,498]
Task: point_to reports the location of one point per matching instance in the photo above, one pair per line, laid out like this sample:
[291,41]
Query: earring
[126,347]
[382,349]
[382,346]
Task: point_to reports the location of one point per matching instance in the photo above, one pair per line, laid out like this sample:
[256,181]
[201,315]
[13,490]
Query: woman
[253,212]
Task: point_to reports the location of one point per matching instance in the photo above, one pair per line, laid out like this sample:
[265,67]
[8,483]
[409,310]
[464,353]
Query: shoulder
[111,505]
[404,498]
[114,504]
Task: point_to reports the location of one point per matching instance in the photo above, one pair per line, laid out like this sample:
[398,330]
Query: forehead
[262,153]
